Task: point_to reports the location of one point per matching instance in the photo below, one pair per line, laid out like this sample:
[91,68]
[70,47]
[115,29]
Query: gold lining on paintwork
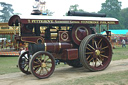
[77,30]
[32,41]
[66,35]
[59,45]
[45,46]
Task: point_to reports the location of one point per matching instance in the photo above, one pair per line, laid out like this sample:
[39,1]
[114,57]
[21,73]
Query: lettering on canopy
[71,21]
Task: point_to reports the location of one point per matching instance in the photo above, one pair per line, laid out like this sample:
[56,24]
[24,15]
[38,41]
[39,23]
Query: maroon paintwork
[66,40]
[70,39]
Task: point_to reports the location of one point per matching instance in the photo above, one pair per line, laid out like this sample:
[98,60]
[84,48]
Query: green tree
[124,15]
[112,8]
[75,8]
[6,12]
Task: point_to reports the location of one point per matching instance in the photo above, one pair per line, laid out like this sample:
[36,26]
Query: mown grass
[8,64]
[120,53]
[117,78]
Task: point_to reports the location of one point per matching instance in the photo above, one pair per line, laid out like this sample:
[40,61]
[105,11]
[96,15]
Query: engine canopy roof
[39,19]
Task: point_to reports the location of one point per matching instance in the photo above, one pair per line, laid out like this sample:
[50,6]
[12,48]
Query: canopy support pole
[99,28]
[14,29]
[19,30]
[107,27]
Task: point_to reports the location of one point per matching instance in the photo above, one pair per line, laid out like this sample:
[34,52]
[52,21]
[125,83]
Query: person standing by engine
[123,43]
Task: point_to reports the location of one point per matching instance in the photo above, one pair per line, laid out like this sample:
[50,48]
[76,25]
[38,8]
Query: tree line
[112,8]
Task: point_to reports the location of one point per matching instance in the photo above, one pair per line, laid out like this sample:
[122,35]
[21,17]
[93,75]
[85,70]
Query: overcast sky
[60,7]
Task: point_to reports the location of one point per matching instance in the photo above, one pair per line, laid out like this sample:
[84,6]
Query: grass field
[117,78]
[8,64]
[120,53]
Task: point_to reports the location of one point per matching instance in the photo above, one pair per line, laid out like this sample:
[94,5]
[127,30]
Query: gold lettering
[33,21]
[57,21]
[29,21]
[103,22]
[41,21]
[90,22]
[51,21]
[111,22]
[74,22]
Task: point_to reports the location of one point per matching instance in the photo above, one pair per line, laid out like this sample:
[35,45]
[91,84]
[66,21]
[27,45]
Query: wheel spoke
[99,42]
[89,53]
[89,49]
[95,62]
[25,66]
[48,66]
[37,69]
[101,58]
[99,62]
[46,60]
[90,60]
[39,60]
[104,56]
[25,57]
[104,47]
[95,44]
[102,51]
[36,66]
[88,57]
[36,62]
[28,55]
[44,57]
[40,70]
[49,62]
[46,69]
[101,45]
[91,46]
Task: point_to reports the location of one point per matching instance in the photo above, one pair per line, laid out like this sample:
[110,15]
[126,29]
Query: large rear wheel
[95,52]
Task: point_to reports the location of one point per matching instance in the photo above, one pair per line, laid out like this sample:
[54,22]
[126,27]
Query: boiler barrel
[79,13]
[57,47]
[50,47]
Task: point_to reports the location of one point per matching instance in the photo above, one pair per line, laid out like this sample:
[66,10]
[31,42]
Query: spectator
[22,50]
[123,43]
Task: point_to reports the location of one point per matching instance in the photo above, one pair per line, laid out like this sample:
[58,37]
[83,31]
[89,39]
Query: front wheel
[95,52]
[42,64]
[23,62]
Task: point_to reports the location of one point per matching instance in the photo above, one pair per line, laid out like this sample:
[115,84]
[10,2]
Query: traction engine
[71,39]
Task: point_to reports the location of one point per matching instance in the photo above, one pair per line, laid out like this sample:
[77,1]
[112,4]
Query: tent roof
[117,31]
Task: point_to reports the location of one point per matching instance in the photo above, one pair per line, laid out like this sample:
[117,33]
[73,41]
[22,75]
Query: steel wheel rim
[23,62]
[97,52]
[43,65]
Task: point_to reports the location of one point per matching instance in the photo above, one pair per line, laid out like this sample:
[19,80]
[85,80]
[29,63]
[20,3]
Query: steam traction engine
[71,39]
